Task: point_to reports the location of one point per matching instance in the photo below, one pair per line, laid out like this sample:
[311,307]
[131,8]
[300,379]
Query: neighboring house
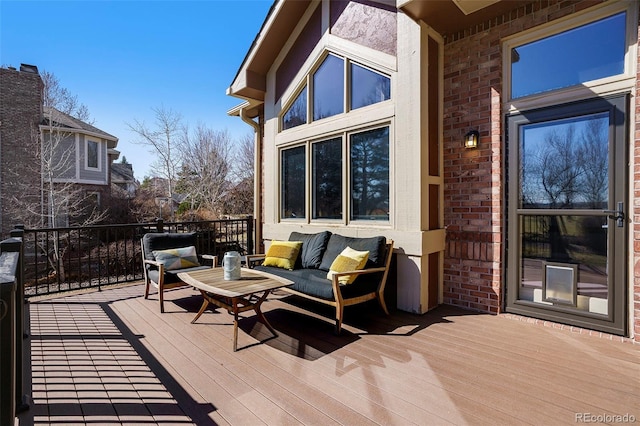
[494,141]
[41,147]
[123,178]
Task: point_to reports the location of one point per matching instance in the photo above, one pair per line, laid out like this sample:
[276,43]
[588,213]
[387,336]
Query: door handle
[618,215]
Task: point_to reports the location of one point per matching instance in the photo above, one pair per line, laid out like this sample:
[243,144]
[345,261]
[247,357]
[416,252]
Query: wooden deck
[110,357]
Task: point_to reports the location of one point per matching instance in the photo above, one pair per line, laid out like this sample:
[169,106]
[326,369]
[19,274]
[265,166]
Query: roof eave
[250,81]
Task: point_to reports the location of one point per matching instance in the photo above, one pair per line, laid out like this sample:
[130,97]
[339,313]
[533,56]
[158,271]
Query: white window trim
[601,87]
[86,154]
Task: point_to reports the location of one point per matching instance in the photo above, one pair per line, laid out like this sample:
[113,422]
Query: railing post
[159,225]
[15,246]
[9,260]
[250,234]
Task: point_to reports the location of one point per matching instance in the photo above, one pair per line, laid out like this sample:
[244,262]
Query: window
[370,175]
[368,87]
[327,179]
[297,112]
[293,183]
[93,155]
[324,93]
[328,88]
[367,179]
[586,53]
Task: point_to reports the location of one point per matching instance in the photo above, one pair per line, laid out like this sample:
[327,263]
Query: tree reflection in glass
[293,183]
[327,179]
[564,163]
[297,112]
[370,175]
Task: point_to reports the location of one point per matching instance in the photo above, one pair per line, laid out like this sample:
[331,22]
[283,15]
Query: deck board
[111,357]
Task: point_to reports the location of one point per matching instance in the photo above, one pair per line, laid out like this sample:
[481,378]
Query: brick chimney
[21,97]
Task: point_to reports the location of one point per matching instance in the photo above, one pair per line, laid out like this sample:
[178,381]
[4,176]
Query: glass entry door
[567,214]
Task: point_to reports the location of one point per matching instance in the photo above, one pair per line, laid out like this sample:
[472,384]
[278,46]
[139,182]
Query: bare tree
[206,170]
[239,199]
[60,98]
[163,140]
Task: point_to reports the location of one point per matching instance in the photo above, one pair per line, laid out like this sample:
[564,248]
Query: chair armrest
[253,258]
[158,265]
[154,263]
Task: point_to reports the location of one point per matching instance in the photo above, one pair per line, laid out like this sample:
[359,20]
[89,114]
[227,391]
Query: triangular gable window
[328,96]
[297,112]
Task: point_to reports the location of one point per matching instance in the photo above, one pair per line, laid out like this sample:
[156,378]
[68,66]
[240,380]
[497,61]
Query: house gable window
[593,51]
[364,154]
[368,87]
[297,112]
[92,157]
[327,93]
[328,88]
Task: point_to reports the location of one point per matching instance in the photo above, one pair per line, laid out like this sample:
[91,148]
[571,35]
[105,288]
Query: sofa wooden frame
[338,301]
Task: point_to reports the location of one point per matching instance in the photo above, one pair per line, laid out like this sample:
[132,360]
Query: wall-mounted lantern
[471,139]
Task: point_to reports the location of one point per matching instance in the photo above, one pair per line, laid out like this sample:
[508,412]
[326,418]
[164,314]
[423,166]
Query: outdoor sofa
[353,280]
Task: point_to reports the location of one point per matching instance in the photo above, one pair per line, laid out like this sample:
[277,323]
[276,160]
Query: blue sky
[122,58]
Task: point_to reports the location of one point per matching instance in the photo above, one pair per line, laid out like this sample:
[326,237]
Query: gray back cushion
[161,241]
[313,247]
[375,245]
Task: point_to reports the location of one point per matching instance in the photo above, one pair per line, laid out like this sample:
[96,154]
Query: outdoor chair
[164,255]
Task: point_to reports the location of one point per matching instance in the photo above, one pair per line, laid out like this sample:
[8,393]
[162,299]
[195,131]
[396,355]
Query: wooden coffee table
[236,296]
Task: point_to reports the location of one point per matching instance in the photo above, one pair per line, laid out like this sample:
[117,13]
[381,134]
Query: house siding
[368,24]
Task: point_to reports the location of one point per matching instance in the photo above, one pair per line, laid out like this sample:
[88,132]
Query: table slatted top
[251,281]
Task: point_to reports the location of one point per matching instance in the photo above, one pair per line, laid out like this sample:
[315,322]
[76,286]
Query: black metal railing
[12,329]
[64,259]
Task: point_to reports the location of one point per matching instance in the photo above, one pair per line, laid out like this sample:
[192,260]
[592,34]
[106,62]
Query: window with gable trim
[326,95]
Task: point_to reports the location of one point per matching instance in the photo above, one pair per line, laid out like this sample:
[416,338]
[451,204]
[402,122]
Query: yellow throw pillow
[282,254]
[348,260]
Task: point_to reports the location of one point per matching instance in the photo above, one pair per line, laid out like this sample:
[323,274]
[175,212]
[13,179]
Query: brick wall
[474,205]
[20,115]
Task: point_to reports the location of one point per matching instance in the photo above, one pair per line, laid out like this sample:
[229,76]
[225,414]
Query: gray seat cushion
[314,282]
